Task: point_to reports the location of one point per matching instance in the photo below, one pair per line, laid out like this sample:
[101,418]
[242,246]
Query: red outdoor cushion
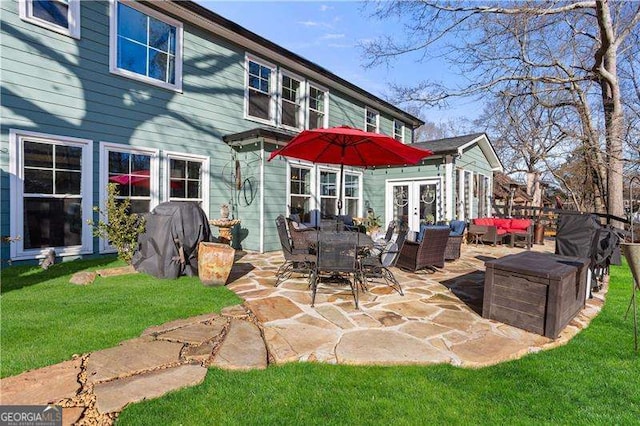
[502,223]
[483,221]
[520,224]
[501,231]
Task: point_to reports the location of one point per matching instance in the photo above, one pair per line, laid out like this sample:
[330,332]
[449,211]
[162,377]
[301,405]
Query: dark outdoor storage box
[538,292]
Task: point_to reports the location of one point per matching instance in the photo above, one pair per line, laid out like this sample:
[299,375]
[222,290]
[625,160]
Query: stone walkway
[436,321]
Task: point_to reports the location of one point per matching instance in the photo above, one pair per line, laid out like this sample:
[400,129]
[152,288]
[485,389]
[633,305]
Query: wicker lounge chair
[428,253]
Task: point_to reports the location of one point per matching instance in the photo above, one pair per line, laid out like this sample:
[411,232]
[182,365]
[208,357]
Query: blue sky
[328,33]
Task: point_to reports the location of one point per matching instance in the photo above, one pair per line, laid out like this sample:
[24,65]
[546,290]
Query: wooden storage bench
[538,292]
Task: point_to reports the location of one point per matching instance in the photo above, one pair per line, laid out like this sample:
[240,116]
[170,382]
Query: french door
[413,202]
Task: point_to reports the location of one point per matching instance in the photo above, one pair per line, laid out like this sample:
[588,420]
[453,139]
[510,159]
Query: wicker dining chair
[295,260]
[426,254]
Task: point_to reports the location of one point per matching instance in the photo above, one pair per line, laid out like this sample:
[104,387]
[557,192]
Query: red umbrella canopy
[345,145]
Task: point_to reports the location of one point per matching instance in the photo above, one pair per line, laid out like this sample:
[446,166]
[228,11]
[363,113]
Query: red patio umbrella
[347,146]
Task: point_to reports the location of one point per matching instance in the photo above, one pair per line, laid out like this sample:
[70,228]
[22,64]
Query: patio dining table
[362,241]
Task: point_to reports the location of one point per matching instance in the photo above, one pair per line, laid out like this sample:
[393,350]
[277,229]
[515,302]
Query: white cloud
[309,23]
[324,7]
[331,36]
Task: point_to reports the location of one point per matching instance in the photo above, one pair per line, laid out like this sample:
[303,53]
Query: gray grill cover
[169,246]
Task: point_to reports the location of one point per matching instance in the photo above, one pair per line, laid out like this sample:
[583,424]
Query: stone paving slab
[195,334]
[172,325]
[115,395]
[42,386]
[242,349]
[130,358]
[385,347]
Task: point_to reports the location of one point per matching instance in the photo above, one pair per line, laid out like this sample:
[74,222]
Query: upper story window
[62,16]
[260,96]
[398,130]
[291,102]
[317,108]
[145,45]
[372,120]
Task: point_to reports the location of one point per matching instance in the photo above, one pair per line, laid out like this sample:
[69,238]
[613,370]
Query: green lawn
[45,319]
[595,379]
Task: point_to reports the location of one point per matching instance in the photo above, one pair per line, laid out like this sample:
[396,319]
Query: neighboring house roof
[458,144]
[229,30]
[502,189]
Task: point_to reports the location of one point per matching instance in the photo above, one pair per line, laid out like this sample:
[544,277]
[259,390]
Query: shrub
[118,225]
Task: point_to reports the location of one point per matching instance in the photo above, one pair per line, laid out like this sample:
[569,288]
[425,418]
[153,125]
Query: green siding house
[176,103]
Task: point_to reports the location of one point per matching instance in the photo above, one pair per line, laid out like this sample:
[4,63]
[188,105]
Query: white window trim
[273,89]
[402,126]
[113,45]
[105,147]
[302,99]
[171,155]
[319,195]
[16,186]
[26,14]
[366,111]
[309,85]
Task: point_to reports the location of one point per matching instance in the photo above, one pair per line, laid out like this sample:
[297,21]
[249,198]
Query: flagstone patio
[438,319]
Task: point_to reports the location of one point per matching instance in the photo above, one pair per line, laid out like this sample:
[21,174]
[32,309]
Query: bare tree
[572,46]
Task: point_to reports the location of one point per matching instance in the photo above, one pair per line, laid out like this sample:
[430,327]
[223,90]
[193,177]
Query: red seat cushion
[502,223]
[501,231]
[483,221]
[520,224]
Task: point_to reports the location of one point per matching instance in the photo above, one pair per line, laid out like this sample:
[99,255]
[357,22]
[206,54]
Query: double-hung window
[291,102]
[62,16]
[398,130]
[372,120]
[317,108]
[145,45]
[51,194]
[328,193]
[259,90]
[187,178]
[352,195]
[300,192]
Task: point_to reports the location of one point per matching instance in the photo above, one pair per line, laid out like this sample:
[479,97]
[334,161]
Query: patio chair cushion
[424,227]
[520,224]
[483,221]
[502,223]
[457,228]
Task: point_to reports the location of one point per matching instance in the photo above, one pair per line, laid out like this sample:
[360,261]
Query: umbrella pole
[340,189]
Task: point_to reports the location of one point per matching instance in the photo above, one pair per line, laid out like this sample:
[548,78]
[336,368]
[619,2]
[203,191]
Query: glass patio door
[413,202]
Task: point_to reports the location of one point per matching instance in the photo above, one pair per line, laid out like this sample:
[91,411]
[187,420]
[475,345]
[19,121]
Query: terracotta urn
[214,263]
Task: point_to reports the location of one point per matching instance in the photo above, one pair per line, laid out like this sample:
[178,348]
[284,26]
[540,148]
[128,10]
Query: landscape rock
[83,278]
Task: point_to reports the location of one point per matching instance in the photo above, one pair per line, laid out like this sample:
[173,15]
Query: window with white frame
[259,96]
[372,120]
[145,45]
[187,178]
[317,108]
[62,16]
[291,102]
[328,193]
[398,130]
[352,195]
[51,194]
[300,192]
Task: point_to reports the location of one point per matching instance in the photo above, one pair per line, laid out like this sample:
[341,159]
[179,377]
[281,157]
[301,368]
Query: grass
[45,319]
[595,379]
